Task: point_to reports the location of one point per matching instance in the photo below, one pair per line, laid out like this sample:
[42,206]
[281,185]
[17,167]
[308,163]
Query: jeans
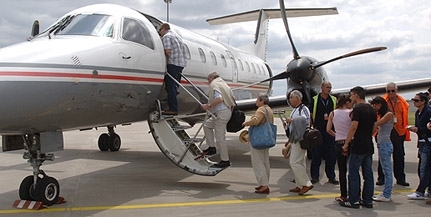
[424,167]
[171,86]
[365,162]
[385,152]
[327,151]
[398,157]
[342,169]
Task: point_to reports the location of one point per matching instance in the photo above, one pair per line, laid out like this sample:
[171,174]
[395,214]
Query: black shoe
[210,151]
[406,184]
[380,183]
[349,205]
[334,181]
[314,181]
[367,205]
[222,164]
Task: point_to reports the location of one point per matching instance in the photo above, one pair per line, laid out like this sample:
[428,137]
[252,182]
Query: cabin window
[136,31]
[213,58]
[240,65]
[202,54]
[85,24]
[187,51]
[223,60]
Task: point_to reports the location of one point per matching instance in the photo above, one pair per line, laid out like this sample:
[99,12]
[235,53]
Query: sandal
[341,199]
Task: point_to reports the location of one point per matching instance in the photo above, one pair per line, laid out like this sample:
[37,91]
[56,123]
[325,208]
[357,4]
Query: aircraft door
[234,67]
[141,50]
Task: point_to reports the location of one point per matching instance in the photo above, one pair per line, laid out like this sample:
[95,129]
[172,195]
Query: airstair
[176,144]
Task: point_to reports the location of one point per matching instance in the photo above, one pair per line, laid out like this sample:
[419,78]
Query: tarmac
[139,180]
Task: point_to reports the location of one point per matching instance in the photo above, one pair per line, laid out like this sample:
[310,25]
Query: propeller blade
[286,25]
[363,51]
[283,75]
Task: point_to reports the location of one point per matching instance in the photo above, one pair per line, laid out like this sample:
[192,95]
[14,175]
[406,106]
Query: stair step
[180,127]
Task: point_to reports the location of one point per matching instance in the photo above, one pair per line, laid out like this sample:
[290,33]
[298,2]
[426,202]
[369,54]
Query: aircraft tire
[47,190]
[26,191]
[103,142]
[115,142]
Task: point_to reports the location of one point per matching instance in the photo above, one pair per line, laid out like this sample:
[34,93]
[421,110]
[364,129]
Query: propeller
[302,70]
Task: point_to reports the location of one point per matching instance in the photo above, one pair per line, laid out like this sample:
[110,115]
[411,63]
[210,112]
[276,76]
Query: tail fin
[258,47]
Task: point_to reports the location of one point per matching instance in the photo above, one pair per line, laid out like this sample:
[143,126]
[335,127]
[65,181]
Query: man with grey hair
[220,103]
[297,155]
[400,108]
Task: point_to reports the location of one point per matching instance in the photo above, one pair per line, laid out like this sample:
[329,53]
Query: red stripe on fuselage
[108,77]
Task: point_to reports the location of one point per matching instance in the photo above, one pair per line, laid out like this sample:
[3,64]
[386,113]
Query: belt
[340,142]
[423,140]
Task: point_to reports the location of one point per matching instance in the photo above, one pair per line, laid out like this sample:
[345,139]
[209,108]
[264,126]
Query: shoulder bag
[264,135]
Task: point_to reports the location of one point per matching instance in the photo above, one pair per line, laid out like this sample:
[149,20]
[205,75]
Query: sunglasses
[390,91]
[416,100]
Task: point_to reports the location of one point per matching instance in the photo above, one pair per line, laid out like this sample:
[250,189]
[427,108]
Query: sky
[404,27]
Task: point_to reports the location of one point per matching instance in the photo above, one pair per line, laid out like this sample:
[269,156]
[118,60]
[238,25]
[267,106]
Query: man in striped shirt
[176,61]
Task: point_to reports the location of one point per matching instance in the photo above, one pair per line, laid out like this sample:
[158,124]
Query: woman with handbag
[260,156]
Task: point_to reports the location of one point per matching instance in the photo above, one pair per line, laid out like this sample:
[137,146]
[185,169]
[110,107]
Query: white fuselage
[104,65]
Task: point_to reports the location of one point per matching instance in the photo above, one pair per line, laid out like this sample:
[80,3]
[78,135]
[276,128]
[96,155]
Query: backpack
[312,138]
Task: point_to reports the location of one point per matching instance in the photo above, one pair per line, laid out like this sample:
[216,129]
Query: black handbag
[235,123]
[312,138]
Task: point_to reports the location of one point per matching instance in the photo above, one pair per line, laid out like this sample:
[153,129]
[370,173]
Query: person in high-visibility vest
[322,105]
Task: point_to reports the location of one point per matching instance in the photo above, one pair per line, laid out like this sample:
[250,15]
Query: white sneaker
[415,196]
[427,194]
[381,198]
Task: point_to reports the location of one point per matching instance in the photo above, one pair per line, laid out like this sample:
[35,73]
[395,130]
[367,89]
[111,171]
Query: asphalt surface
[139,180]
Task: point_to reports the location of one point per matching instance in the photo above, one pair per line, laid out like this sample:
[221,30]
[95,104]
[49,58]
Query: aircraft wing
[419,85]
[272,14]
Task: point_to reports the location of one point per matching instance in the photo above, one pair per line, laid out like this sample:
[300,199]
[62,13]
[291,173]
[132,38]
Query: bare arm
[329,124]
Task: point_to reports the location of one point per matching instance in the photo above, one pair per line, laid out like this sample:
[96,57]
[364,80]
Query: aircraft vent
[76,61]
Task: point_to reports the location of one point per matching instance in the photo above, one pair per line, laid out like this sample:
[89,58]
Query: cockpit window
[136,31]
[85,24]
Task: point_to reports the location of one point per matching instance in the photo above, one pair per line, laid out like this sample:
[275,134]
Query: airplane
[103,65]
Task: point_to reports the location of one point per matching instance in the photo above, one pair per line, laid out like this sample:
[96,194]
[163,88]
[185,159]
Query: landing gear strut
[39,186]
[109,141]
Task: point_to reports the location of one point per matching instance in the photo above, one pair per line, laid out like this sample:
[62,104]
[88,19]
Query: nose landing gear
[39,186]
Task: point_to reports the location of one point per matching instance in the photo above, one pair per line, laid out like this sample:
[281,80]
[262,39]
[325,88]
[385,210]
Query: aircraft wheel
[115,142]
[103,142]
[26,190]
[47,190]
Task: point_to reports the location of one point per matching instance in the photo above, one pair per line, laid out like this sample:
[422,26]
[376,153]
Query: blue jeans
[365,161]
[424,167]
[385,152]
[171,86]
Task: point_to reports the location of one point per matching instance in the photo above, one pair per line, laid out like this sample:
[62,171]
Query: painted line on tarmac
[182,204]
